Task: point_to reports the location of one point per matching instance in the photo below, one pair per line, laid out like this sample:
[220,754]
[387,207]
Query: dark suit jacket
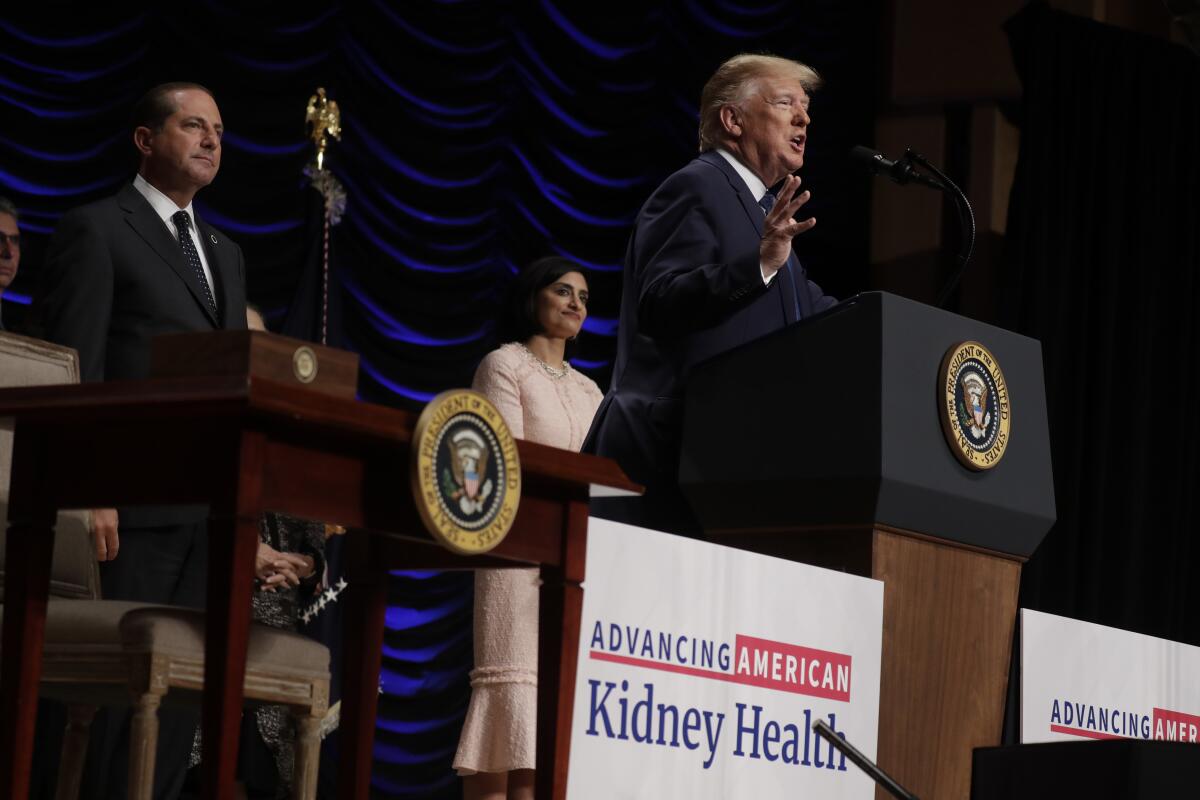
[692,289]
[115,277]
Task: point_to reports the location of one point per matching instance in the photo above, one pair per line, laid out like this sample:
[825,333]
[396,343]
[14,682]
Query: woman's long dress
[500,732]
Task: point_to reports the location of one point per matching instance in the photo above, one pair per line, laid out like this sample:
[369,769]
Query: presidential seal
[466,473]
[304,364]
[974,405]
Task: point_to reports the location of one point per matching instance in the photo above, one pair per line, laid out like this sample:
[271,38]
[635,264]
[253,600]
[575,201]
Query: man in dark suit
[141,263]
[709,267]
[119,272]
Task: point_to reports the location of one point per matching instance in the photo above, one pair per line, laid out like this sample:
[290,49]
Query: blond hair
[731,84]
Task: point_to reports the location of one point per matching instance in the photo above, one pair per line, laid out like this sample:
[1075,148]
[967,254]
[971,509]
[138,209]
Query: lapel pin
[212,238]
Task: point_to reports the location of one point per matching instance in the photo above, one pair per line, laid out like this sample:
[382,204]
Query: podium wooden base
[948,616]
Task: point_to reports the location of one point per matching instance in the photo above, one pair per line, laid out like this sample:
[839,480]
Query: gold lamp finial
[323,115]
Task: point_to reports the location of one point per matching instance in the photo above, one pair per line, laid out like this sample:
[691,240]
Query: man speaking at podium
[709,267]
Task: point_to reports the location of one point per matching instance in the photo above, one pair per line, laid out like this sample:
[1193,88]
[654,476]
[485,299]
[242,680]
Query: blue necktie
[183,224]
[767,202]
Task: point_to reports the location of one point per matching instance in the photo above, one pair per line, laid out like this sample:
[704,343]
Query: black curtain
[1103,246]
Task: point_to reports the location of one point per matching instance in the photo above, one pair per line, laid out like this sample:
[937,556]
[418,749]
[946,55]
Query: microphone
[901,170]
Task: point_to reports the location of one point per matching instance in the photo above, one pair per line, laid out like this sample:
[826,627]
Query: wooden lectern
[822,443]
[246,445]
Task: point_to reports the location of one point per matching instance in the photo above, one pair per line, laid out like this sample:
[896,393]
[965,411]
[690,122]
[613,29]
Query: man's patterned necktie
[183,224]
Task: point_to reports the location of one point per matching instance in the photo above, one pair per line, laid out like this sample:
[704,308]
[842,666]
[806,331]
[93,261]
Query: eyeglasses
[12,238]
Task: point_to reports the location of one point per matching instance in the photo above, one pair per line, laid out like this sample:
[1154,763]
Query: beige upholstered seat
[179,632]
[165,649]
[107,652]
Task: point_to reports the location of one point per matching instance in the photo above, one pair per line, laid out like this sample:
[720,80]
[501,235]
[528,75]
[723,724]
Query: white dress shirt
[165,208]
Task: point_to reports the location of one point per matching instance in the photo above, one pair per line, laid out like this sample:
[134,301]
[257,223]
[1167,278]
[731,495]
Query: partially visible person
[117,273]
[10,248]
[290,562]
[290,558]
[51,715]
[254,318]
[266,762]
[542,399]
[709,267]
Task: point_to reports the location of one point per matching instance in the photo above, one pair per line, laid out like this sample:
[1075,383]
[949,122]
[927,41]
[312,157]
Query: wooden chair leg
[143,740]
[308,753]
[74,751]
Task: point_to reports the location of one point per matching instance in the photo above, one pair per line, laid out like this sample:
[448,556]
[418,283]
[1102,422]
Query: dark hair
[8,207]
[519,321]
[152,110]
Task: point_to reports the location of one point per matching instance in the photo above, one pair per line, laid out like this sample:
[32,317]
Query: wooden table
[245,446]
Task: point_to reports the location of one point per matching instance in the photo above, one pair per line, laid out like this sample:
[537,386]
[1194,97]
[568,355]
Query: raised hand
[779,228]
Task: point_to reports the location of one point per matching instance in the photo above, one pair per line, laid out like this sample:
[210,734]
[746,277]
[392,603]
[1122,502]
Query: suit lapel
[755,217]
[211,240]
[141,217]
[754,212]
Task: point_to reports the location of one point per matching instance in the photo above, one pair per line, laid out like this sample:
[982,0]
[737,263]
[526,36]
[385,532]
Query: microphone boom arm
[885,781]
[966,223]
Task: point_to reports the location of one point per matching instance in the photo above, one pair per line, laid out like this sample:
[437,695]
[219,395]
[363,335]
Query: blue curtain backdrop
[478,136]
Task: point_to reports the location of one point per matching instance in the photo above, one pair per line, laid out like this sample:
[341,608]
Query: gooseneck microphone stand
[862,762]
[966,222]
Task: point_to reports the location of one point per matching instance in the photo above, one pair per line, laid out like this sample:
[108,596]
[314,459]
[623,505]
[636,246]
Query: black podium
[823,443]
[1121,769]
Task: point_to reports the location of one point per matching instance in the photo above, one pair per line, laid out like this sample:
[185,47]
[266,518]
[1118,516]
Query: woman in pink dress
[544,400]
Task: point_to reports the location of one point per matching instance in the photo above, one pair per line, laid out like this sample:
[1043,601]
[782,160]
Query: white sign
[702,669]
[1085,681]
